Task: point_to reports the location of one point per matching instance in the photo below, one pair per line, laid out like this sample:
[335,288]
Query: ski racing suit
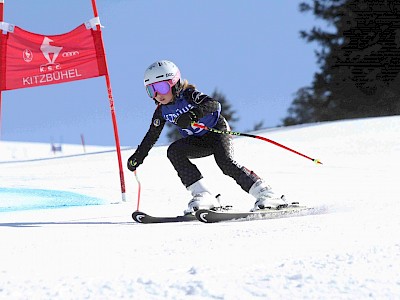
[196,142]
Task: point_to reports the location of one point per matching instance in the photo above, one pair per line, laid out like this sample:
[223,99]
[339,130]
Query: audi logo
[69,54]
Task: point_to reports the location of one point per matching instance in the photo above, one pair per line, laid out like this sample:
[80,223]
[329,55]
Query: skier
[180,103]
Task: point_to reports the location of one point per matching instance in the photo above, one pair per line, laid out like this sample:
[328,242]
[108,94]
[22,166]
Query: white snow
[98,252]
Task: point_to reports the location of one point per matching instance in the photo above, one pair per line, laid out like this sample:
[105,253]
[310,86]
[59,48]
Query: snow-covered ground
[97,252]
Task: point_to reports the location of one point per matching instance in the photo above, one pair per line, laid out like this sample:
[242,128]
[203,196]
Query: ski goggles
[162,87]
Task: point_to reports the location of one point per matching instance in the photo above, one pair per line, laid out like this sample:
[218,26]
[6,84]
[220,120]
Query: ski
[141,217]
[213,216]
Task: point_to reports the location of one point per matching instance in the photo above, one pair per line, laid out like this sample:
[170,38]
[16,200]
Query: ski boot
[266,198]
[202,198]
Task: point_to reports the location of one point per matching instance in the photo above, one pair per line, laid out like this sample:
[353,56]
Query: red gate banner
[29,59]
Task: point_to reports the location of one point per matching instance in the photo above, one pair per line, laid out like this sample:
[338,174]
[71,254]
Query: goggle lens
[162,87]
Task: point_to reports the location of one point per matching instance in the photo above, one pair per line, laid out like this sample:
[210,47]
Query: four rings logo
[51,53]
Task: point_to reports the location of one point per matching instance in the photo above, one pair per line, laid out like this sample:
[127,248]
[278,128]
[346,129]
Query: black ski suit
[195,143]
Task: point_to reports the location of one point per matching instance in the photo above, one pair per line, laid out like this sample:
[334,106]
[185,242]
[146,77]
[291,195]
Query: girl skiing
[181,104]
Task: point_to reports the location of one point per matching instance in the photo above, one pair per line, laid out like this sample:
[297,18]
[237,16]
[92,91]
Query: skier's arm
[151,137]
[204,102]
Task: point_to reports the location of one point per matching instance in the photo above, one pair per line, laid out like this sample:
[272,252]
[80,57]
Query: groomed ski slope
[97,252]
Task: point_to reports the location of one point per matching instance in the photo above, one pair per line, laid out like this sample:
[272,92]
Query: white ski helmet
[163,70]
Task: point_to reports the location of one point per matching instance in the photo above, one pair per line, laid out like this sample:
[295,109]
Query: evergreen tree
[227,111]
[359,60]
[258,126]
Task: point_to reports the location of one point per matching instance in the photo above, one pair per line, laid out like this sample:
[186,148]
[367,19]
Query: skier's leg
[249,181]
[223,155]
[179,154]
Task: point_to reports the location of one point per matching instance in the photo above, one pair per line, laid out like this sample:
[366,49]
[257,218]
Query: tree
[227,111]
[359,62]
[258,126]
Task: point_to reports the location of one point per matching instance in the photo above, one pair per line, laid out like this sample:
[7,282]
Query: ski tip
[138,216]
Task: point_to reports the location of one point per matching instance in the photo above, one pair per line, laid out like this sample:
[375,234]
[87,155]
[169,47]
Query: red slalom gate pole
[256,137]
[113,116]
[1,20]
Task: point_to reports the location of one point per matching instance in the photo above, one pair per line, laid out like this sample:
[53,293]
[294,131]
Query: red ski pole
[256,137]
[139,189]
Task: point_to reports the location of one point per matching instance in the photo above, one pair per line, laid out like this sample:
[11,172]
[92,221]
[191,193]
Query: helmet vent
[159,76]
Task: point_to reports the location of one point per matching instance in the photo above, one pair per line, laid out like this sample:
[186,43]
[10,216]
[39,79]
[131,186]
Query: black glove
[134,161]
[186,119]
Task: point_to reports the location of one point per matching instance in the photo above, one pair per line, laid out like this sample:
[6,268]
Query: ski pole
[139,189]
[256,137]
